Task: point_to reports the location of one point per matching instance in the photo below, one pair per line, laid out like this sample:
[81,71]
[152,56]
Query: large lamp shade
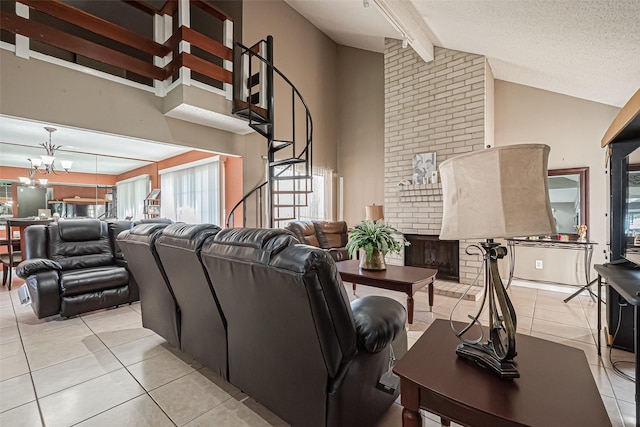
[499,192]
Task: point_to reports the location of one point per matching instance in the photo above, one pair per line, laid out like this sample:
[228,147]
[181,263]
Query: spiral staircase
[288,169]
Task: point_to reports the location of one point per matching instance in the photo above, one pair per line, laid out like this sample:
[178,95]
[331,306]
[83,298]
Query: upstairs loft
[179,50]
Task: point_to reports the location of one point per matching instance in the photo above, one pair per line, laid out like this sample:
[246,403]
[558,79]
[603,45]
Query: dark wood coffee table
[555,388]
[396,278]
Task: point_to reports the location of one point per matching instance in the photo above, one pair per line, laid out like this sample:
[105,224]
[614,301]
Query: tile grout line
[147,392]
[33,384]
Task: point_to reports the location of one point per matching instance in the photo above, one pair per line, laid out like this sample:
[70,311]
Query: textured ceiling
[586,49]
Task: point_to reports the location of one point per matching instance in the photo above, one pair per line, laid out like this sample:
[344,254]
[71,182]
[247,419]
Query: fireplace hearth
[430,252]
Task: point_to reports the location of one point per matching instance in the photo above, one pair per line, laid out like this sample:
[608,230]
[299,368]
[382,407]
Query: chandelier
[45,164]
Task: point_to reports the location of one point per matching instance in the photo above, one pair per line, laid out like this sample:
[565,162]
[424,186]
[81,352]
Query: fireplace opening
[431,252]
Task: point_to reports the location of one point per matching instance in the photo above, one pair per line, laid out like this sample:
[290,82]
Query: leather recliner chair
[331,236]
[71,268]
[203,333]
[160,310]
[296,345]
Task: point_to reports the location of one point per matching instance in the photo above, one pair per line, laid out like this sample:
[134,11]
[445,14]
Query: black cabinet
[620,315]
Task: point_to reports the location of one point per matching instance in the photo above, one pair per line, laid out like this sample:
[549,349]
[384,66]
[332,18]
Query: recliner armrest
[339,254]
[378,321]
[36,265]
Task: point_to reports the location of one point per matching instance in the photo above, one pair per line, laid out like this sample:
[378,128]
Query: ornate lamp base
[498,351]
[482,355]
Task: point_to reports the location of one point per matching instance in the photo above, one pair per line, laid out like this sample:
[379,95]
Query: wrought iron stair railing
[289,163]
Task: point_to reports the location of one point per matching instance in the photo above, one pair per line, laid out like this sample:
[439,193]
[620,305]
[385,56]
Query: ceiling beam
[404,17]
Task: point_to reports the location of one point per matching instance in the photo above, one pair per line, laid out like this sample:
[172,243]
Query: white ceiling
[582,48]
[20,139]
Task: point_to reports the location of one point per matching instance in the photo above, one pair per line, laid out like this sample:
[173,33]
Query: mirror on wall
[101,166]
[86,191]
[568,193]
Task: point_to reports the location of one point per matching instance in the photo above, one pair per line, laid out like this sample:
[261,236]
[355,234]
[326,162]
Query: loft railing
[132,55]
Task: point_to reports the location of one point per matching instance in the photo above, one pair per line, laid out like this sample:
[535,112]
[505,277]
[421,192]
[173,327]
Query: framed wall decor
[424,168]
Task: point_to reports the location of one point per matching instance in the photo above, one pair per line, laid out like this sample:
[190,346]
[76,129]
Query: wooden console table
[555,388]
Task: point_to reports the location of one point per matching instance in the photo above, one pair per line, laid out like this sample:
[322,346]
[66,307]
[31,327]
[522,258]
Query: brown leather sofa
[73,266]
[331,236]
[295,343]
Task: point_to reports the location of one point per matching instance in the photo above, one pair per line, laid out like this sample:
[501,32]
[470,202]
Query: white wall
[573,129]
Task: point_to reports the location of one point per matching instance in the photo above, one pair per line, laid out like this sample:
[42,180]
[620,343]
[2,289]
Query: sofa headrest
[304,231]
[143,233]
[153,220]
[252,244]
[331,227]
[147,229]
[79,230]
[187,236]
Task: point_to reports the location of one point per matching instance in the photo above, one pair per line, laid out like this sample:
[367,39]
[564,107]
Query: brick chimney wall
[437,106]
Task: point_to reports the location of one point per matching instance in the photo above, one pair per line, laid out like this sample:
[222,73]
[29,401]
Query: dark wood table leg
[410,307]
[354,288]
[445,422]
[431,296]
[410,398]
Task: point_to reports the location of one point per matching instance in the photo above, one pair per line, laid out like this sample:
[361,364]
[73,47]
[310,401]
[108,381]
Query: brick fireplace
[444,106]
[430,252]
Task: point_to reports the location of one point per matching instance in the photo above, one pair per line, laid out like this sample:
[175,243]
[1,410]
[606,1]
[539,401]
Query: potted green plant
[376,240]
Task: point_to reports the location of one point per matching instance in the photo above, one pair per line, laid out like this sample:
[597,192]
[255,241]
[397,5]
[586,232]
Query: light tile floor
[103,368]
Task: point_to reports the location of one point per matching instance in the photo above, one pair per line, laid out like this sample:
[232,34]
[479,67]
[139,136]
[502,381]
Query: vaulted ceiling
[589,49]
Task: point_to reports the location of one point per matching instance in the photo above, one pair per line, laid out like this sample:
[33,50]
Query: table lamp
[374,212]
[499,192]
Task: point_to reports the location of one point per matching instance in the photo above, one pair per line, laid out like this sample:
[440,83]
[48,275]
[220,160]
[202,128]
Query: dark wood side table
[625,279]
[555,388]
[395,278]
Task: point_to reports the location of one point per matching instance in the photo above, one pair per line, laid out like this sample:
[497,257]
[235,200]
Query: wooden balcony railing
[141,61]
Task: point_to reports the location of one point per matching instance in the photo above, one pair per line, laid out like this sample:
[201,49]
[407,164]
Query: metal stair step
[291,161]
[250,112]
[284,178]
[261,128]
[280,144]
[292,191]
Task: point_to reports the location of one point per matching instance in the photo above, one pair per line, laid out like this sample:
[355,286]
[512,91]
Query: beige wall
[308,58]
[573,128]
[360,86]
[49,93]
